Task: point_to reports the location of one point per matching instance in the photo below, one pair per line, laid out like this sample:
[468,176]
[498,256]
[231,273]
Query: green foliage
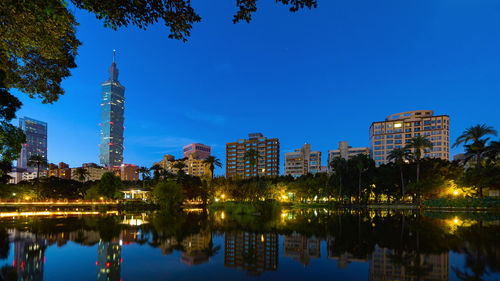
[92,193]
[169,195]
[109,185]
[58,188]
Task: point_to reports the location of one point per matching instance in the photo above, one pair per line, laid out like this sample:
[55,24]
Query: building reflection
[29,256]
[343,258]
[195,249]
[386,264]
[253,252]
[108,261]
[301,248]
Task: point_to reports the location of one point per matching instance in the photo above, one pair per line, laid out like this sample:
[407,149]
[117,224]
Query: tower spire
[114,55]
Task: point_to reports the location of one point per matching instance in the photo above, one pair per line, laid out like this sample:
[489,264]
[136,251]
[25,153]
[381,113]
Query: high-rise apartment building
[397,130]
[36,141]
[112,119]
[302,161]
[266,156]
[198,150]
[346,152]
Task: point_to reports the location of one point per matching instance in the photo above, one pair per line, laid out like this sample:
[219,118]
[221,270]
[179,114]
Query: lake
[312,244]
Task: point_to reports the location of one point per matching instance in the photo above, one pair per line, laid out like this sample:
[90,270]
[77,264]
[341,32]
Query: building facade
[198,150]
[346,152]
[192,166]
[112,119]
[398,129]
[266,157]
[62,171]
[36,141]
[126,172]
[302,161]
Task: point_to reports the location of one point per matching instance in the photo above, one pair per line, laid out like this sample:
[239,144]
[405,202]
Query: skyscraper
[112,109]
[36,141]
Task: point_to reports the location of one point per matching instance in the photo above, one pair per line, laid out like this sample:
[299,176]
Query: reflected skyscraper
[108,261]
[29,257]
[254,252]
[112,119]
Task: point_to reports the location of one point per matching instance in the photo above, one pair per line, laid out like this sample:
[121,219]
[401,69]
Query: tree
[212,161]
[363,163]
[476,135]
[146,173]
[418,144]
[156,168]
[251,156]
[109,185]
[37,161]
[82,174]
[339,166]
[400,156]
[180,165]
[168,195]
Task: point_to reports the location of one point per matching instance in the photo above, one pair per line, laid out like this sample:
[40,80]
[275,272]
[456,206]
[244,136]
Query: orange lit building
[266,161]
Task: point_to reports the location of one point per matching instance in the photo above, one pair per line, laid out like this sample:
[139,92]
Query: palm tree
[37,161]
[82,173]
[400,156]
[362,164]
[493,150]
[339,165]
[213,162]
[156,168]
[418,144]
[146,173]
[251,157]
[475,134]
[179,165]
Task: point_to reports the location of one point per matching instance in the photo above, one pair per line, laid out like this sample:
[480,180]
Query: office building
[302,161]
[198,150]
[266,157]
[346,152]
[398,129]
[36,141]
[112,119]
[192,165]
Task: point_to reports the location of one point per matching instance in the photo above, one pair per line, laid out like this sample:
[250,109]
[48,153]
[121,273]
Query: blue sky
[319,76]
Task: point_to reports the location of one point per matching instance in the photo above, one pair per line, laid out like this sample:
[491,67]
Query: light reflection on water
[291,244]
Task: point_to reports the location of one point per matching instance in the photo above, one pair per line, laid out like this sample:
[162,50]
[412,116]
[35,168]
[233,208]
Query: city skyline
[158,86]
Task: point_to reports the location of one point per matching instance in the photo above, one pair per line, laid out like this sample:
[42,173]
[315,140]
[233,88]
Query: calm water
[286,245]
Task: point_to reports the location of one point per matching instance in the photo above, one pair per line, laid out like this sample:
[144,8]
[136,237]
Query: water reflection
[352,245]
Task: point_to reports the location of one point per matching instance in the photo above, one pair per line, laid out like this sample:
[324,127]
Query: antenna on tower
[114,52]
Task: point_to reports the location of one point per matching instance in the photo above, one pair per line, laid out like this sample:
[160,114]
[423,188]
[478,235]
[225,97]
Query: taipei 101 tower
[112,120]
